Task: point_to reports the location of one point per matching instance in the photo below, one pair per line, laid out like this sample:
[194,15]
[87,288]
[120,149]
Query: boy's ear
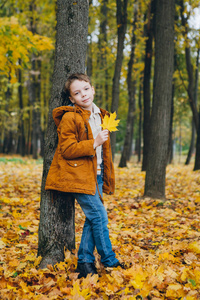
[71,99]
[93,90]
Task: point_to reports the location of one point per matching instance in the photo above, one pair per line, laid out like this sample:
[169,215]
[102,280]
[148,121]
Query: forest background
[27,33]
[158,239]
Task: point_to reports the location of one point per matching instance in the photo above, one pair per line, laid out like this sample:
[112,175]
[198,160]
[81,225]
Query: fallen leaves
[159,241]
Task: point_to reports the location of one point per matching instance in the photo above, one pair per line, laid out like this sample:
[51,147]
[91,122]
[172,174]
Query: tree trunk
[6,133]
[192,143]
[38,91]
[190,88]
[140,123]
[33,87]
[161,108]
[170,144]
[171,140]
[7,145]
[89,56]
[121,31]
[42,137]
[56,229]
[197,156]
[21,138]
[131,107]
[149,28]
[28,143]
[103,44]
[89,48]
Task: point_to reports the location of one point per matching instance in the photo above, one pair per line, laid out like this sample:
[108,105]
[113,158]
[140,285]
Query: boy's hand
[101,138]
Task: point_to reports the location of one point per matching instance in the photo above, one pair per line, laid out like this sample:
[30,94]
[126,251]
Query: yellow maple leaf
[110,123]
[195,247]
[78,294]
[61,281]
[175,291]
[37,261]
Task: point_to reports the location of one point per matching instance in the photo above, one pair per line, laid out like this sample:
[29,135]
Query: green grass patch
[19,160]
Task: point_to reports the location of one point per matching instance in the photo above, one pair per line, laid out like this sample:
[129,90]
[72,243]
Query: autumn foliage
[158,241]
[17,43]
[110,123]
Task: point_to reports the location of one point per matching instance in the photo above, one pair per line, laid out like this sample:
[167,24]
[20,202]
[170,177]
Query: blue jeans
[95,230]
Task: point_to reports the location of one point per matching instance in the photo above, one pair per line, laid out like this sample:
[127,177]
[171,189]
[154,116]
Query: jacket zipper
[110,192]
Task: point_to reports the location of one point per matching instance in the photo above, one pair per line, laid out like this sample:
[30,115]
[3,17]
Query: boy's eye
[76,93]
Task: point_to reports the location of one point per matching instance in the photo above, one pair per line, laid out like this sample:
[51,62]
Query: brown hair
[75,76]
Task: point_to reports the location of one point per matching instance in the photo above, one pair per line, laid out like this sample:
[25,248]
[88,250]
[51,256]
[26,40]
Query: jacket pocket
[76,172]
[75,163]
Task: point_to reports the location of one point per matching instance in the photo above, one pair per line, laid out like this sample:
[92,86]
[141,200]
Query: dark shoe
[118,264]
[85,268]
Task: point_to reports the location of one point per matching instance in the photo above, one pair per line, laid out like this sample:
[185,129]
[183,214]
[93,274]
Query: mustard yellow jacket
[74,166]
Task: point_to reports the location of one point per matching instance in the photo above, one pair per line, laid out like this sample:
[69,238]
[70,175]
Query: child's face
[82,93]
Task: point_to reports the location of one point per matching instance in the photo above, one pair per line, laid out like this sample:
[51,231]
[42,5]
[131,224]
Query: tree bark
[170,144]
[34,98]
[192,143]
[21,138]
[7,145]
[89,56]
[197,156]
[161,108]
[102,74]
[103,44]
[140,123]
[121,31]
[7,133]
[33,86]
[131,107]
[38,95]
[56,229]
[149,29]
[190,88]
[89,48]
[171,141]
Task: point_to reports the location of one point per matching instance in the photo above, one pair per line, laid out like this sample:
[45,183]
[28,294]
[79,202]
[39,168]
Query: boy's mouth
[85,100]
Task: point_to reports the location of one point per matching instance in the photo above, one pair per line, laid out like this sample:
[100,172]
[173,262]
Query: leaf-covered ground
[158,241]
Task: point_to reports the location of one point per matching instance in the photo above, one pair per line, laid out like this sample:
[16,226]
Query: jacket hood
[61,110]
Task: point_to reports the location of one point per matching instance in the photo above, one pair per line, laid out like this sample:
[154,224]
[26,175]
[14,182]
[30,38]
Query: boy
[83,166]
